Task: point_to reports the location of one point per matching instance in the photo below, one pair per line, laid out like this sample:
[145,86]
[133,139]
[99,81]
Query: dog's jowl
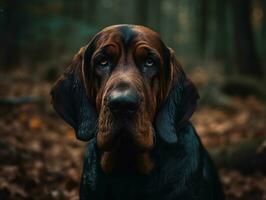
[127,95]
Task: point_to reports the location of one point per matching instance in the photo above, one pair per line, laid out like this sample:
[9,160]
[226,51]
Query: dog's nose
[123,102]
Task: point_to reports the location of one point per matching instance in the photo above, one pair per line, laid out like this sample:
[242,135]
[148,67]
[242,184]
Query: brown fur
[141,131]
[152,93]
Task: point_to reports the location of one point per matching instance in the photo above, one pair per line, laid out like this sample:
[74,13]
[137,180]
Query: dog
[128,96]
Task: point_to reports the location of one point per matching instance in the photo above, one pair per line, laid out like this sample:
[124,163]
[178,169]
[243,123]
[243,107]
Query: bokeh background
[221,45]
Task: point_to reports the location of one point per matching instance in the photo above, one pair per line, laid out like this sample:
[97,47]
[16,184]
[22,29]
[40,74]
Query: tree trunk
[246,57]
[142,12]
[246,156]
[263,31]
[92,10]
[220,49]
[155,15]
[11,35]
[203,22]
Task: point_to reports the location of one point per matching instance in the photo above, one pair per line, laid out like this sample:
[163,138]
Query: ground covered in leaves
[40,157]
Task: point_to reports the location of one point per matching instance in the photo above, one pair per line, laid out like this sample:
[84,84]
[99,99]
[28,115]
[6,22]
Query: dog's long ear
[179,104]
[70,100]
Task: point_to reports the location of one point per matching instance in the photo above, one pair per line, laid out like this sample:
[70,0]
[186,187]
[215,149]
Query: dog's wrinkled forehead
[129,36]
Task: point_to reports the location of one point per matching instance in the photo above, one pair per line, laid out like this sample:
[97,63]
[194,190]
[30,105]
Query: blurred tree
[220,48]
[246,57]
[263,31]
[211,30]
[155,12]
[203,23]
[142,11]
[92,4]
[11,34]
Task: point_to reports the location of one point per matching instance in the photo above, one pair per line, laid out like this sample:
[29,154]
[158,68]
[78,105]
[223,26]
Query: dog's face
[127,72]
[126,69]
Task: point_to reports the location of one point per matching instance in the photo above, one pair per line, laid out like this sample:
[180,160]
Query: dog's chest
[127,187]
[156,185]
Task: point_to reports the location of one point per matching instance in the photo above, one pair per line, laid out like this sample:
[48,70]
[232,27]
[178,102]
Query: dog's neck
[126,159]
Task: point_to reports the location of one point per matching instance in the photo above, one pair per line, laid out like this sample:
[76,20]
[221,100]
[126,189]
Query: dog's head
[127,73]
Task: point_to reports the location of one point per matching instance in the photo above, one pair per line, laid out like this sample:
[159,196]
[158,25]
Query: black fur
[127,34]
[183,171]
[70,101]
[178,108]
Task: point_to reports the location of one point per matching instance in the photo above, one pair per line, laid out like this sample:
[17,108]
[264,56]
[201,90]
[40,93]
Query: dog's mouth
[123,120]
[125,141]
[123,148]
[125,135]
[124,131]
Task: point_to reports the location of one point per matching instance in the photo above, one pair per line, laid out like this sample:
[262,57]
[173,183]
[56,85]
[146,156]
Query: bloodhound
[127,95]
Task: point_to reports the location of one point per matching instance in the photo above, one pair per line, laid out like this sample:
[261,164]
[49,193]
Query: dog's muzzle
[123,101]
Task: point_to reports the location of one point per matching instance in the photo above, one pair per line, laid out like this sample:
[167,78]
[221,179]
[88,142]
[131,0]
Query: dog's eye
[103,64]
[149,67]
[149,62]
